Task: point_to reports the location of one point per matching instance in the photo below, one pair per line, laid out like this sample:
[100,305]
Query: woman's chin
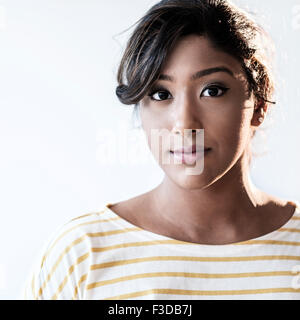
[190,182]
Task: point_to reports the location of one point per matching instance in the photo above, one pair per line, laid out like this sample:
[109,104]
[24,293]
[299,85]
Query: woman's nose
[186,117]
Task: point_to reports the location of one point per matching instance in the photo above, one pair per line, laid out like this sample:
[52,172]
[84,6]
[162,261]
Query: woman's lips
[189,149]
[189,157]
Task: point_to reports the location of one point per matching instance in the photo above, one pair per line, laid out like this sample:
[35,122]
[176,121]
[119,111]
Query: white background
[58,64]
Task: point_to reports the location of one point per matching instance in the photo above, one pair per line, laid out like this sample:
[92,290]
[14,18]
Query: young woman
[189,65]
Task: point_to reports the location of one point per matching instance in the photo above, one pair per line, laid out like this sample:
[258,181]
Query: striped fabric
[102,256]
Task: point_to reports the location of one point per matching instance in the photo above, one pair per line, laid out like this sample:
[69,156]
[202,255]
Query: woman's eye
[159,95]
[214,91]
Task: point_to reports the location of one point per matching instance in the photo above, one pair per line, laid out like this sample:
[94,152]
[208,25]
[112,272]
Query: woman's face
[218,102]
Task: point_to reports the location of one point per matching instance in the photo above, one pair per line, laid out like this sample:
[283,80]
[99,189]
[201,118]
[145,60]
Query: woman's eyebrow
[199,74]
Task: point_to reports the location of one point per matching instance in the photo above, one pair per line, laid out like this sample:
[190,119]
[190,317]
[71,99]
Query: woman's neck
[229,208]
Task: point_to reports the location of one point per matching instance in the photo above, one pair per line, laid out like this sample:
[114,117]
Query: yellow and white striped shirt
[103,256]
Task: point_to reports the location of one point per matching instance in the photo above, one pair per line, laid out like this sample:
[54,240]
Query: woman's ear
[260,111]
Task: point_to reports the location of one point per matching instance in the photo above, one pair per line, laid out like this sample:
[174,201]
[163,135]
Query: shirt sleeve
[35,287]
[58,269]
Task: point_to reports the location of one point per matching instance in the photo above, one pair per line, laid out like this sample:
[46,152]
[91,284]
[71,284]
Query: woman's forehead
[193,54]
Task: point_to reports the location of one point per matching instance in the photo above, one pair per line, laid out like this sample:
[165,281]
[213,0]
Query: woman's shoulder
[77,230]
[67,249]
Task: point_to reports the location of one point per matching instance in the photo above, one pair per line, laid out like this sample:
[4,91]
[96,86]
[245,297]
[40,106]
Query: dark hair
[228,27]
